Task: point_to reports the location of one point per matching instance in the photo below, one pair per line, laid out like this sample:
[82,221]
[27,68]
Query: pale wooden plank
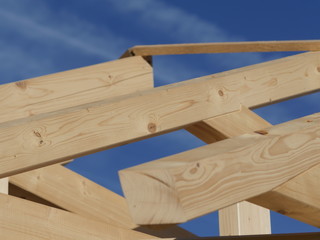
[54,137]
[243,218]
[4,185]
[298,198]
[224,47]
[75,87]
[22,219]
[193,183]
[68,190]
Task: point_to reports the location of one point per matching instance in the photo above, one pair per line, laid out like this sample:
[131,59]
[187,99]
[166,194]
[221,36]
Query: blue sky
[43,37]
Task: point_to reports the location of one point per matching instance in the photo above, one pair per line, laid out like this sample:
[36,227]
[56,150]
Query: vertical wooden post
[4,185]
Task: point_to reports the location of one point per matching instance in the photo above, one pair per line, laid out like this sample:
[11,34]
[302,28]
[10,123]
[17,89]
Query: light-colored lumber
[286,236]
[24,194]
[54,137]
[298,198]
[224,47]
[243,218]
[75,193]
[75,87]
[181,187]
[22,219]
[4,185]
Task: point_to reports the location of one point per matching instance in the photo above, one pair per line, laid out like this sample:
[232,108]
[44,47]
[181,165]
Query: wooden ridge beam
[22,219]
[243,218]
[77,194]
[181,187]
[224,47]
[54,137]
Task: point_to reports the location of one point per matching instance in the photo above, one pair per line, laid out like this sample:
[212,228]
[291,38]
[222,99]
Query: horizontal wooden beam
[54,137]
[75,87]
[70,191]
[224,47]
[242,218]
[178,188]
[22,219]
[287,236]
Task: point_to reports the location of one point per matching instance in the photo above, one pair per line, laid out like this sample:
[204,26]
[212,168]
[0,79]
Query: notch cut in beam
[55,137]
[224,47]
[181,187]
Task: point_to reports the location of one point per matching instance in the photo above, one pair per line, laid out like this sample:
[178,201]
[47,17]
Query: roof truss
[52,119]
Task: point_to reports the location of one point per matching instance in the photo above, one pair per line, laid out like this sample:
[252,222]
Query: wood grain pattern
[243,218]
[225,47]
[54,137]
[75,87]
[298,198]
[188,185]
[58,186]
[21,219]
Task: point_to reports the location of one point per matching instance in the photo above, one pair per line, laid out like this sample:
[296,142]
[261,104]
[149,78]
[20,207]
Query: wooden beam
[75,87]
[224,47]
[75,193]
[178,188]
[24,194]
[298,198]
[287,236]
[243,218]
[54,137]
[22,219]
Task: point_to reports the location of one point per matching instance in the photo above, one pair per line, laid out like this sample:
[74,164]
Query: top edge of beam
[224,47]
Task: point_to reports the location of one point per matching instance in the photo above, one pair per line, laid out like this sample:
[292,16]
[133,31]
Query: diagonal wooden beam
[75,87]
[54,137]
[298,198]
[70,191]
[224,47]
[243,218]
[181,187]
[22,219]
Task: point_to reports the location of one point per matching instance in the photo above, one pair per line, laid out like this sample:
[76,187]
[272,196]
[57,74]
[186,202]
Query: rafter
[190,184]
[21,219]
[77,131]
[68,190]
[75,87]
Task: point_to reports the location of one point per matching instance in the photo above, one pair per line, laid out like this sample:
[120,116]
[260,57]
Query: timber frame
[247,168]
